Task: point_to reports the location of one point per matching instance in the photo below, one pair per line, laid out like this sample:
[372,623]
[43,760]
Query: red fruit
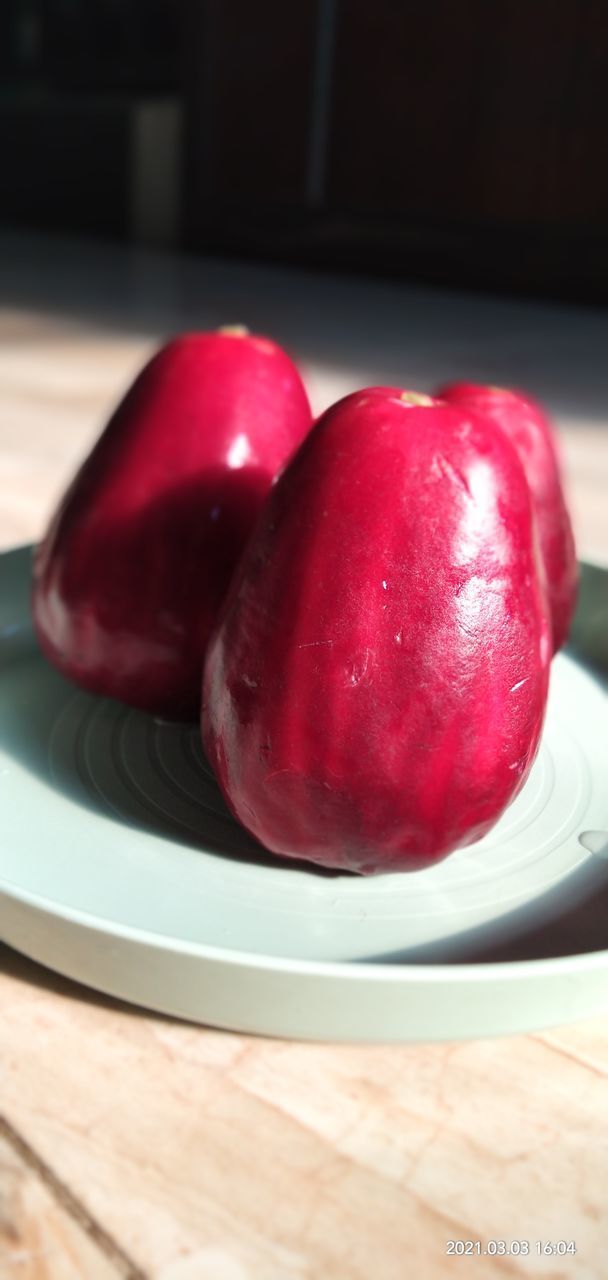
[375,690]
[136,561]
[528,428]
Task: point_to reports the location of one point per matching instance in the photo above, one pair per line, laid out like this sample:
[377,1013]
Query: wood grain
[40,1239]
[135,1145]
[283,1160]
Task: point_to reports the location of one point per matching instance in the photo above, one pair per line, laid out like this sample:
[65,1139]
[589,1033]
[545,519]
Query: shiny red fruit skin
[375,690]
[530,431]
[132,570]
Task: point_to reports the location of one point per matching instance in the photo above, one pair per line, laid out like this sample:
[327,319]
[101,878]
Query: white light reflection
[238,453]
[480,523]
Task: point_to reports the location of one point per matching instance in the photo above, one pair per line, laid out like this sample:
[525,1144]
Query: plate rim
[483,970]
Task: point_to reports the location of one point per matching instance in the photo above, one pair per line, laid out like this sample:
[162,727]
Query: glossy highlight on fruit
[523,420]
[375,689]
[136,561]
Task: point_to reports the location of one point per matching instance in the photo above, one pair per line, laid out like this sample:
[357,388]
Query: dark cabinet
[450,139]
[455,141]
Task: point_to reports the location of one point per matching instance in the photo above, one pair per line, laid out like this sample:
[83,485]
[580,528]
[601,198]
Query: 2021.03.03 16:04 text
[513,1248]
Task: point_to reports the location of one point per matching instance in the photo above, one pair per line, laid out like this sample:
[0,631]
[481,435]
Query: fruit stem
[416,397]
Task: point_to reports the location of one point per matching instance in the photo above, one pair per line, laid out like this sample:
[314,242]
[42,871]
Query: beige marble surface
[131,1145]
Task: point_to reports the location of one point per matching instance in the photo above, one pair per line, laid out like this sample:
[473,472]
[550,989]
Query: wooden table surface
[133,1145]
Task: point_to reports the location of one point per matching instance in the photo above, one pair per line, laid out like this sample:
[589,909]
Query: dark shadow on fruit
[140,594]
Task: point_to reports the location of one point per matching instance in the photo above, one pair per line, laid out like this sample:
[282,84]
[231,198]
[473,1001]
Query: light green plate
[120,867]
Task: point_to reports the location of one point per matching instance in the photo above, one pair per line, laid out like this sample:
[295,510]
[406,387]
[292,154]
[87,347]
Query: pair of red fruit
[376,625]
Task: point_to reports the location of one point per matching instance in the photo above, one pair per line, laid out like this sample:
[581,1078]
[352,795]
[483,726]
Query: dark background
[456,141]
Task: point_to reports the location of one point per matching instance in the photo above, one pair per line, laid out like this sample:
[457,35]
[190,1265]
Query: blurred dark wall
[83,86]
[450,140]
[458,141]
